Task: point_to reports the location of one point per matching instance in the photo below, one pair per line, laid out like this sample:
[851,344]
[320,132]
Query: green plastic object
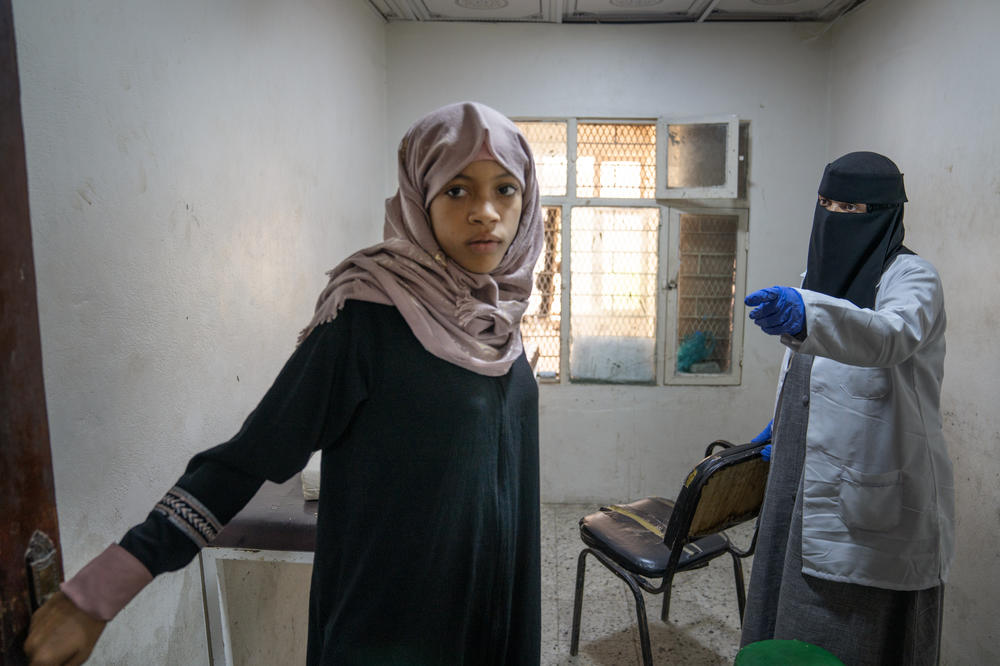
[694,348]
[785,653]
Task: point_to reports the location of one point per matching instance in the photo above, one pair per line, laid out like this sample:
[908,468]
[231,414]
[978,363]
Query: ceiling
[612,11]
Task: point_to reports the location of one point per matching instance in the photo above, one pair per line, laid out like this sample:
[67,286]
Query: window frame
[669,285]
[710,201]
[728,189]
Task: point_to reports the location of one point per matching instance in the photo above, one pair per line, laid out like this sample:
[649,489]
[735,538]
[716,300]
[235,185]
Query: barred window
[613,294]
[637,283]
[541,323]
[615,160]
[706,288]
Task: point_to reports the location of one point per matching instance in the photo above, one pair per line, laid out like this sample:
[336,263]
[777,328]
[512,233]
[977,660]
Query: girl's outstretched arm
[309,405]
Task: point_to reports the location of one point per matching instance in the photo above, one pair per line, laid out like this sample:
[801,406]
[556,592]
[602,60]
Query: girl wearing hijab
[857,530]
[411,378]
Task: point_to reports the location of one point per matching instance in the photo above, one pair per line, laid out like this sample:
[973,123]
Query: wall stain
[85,192]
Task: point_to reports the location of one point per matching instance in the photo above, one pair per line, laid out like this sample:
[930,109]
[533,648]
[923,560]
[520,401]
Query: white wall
[194,168]
[599,442]
[917,80]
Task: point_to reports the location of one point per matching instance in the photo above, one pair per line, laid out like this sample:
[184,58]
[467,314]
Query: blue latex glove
[765,434]
[780,310]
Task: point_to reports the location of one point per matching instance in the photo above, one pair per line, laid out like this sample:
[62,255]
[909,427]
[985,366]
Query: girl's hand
[61,634]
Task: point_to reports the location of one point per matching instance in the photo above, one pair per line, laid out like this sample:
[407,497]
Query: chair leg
[640,603]
[581,566]
[640,610]
[741,594]
[668,581]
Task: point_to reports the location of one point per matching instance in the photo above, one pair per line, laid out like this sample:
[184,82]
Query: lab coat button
[805,399]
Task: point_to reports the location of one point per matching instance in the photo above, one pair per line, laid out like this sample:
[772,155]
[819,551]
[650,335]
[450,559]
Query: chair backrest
[723,490]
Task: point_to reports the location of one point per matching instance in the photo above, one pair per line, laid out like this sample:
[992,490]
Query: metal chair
[658,538]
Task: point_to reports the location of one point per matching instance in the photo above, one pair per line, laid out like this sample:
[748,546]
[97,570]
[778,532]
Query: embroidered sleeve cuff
[107,583]
[190,516]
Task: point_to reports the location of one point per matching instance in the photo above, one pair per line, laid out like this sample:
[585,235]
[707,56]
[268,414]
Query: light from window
[625,179]
[613,293]
[616,160]
[548,143]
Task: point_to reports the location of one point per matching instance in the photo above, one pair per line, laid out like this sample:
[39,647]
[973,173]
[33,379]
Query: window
[641,277]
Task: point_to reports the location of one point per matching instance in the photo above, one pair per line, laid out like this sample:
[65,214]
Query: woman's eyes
[507,190]
[832,205]
[455,191]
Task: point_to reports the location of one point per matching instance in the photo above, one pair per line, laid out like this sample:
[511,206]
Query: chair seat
[632,535]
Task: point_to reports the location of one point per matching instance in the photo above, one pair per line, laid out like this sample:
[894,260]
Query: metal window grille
[706,283]
[548,143]
[540,325]
[613,293]
[616,160]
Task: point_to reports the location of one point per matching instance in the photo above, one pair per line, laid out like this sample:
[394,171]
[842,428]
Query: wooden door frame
[27,490]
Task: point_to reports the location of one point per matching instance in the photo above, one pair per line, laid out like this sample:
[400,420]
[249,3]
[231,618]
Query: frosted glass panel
[696,155]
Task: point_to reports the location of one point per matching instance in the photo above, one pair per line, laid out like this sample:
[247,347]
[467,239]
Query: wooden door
[27,497]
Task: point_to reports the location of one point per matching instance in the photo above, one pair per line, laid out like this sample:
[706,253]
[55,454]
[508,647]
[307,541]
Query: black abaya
[428,530]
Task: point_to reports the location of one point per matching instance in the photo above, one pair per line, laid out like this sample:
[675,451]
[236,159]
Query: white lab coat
[878,493]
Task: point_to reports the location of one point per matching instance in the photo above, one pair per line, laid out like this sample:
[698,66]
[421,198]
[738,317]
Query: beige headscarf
[469,319]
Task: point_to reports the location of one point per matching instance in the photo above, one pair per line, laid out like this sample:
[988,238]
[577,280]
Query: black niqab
[849,251]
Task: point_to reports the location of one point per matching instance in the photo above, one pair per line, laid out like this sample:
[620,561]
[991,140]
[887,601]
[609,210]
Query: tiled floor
[267,611]
[704,625]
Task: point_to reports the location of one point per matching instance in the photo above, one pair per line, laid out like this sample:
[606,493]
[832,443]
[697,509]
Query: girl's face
[475,217]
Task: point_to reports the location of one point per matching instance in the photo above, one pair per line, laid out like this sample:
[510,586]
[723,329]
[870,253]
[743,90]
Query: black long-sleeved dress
[427,547]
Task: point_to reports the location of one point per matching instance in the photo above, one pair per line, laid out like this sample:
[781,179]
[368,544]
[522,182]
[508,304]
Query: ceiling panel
[609,11]
[479,10]
[803,10]
[632,10]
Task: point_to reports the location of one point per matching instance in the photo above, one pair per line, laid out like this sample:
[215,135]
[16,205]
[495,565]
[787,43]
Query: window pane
[540,324]
[696,155]
[616,160]
[613,294]
[548,143]
[706,290]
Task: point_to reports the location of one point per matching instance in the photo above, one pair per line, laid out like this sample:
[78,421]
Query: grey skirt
[859,624]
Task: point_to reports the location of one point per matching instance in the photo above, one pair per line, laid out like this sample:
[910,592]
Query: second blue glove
[780,310]
[765,434]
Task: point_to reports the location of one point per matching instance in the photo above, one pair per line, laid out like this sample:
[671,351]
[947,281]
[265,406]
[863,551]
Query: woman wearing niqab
[856,535]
